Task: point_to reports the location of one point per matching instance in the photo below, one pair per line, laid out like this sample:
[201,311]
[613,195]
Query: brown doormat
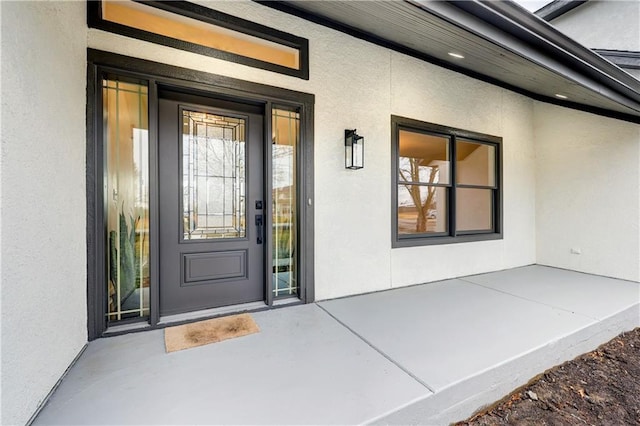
[210,331]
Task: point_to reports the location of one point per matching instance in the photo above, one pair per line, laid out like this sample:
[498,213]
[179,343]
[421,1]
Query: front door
[211,203]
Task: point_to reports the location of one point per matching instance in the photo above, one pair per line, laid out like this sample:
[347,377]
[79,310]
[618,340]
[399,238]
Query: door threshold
[116,330]
[179,319]
[214,312]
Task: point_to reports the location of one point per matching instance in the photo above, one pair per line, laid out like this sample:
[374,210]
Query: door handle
[259,228]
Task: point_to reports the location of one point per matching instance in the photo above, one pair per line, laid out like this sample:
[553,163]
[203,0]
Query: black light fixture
[353,150]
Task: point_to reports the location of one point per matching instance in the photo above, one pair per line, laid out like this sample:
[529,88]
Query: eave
[503,44]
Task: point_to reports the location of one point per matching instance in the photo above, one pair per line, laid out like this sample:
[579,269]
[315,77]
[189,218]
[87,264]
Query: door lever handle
[259,228]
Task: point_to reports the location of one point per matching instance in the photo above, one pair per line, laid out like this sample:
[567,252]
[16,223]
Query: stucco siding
[611,24]
[43,199]
[359,85]
[426,92]
[587,195]
[570,179]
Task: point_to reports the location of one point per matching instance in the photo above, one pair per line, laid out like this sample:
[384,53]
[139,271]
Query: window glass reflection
[126,145]
[285,143]
[475,164]
[474,209]
[422,209]
[423,158]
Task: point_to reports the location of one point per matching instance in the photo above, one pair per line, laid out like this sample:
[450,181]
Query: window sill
[431,241]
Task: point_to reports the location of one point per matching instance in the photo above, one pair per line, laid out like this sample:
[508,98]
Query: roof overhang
[502,44]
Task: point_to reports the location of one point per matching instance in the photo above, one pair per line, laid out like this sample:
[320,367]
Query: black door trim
[197,82]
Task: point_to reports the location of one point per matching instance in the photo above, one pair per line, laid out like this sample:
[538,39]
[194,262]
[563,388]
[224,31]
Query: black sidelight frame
[451,235]
[214,17]
[158,77]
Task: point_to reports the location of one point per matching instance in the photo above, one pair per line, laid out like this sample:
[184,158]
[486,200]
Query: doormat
[210,331]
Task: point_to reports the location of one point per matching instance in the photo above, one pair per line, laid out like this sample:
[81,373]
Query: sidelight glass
[126,145]
[213,176]
[284,147]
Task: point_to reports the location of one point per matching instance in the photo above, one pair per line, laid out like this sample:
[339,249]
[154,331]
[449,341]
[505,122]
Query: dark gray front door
[211,203]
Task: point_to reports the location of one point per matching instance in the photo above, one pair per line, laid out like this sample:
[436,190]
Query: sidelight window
[126,134]
[284,157]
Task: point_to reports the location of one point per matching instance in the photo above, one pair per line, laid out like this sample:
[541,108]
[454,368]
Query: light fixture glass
[560,96]
[456,55]
[353,150]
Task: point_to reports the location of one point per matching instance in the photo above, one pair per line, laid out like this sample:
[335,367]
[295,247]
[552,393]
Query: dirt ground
[598,388]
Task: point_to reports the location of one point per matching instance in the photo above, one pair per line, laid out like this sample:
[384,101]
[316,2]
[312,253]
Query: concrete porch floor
[427,354]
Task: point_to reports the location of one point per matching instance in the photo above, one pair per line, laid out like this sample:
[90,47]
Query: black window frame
[451,235]
[214,17]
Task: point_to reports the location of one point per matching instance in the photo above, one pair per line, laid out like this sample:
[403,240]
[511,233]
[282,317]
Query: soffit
[428,29]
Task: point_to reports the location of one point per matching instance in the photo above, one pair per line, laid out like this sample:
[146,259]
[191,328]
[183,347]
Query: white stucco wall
[43,186]
[353,208]
[43,199]
[425,92]
[587,170]
[609,24]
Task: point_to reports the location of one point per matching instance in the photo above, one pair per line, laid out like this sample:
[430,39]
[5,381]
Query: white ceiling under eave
[502,43]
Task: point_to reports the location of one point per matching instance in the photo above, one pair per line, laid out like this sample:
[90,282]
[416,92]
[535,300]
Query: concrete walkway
[427,354]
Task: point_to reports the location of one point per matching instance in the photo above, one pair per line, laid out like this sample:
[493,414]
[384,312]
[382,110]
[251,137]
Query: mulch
[601,387]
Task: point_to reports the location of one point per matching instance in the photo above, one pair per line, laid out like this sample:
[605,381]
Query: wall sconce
[353,150]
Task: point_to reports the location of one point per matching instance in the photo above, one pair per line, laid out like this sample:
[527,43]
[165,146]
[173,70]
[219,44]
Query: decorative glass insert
[285,143]
[213,176]
[126,144]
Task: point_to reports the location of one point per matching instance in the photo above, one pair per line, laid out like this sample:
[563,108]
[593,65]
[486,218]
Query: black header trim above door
[214,17]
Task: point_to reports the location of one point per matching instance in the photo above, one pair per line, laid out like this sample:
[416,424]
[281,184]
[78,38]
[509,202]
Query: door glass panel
[125,126]
[213,176]
[285,143]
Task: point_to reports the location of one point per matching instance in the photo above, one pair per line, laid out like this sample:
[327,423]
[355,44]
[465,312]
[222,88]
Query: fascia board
[489,29]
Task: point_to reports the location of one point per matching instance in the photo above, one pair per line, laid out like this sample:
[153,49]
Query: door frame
[198,82]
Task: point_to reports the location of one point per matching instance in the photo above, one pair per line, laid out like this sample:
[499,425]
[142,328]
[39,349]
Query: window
[195,28]
[446,184]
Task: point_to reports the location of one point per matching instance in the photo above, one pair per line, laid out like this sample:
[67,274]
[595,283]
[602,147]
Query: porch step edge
[464,398]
